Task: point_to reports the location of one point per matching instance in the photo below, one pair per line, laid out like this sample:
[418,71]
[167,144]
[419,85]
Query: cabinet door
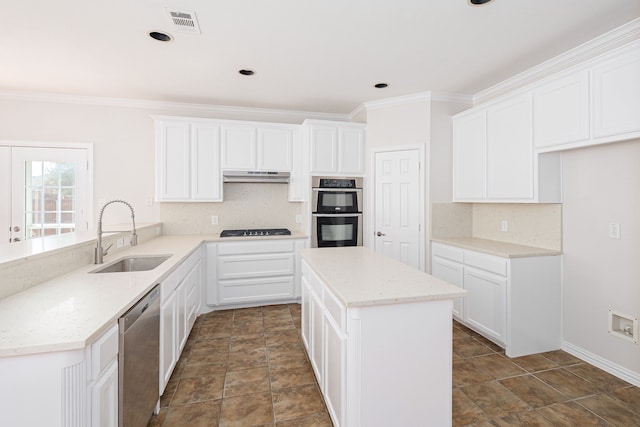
[324,149]
[616,94]
[275,149]
[510,149]
[193,291]
[470,157]
[305,323]
[317,333]
[168,339]
[561,111]
[239,149]
[485,304]
[351,151]
[335,367]
[173,161]
[453,273]
[206,176]
[104,398]
[299,170]
[181,316]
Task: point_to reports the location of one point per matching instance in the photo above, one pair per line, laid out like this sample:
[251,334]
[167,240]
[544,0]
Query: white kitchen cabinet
[514,302]
[616,94]
[510,149]
[187,161]
[104,398]
[254,271]
[451,272]
[485,308]
[494,159]
[336,148]
[258,147]
[305,318]
[561,111]
[470,156]
[351,350]
[177,311]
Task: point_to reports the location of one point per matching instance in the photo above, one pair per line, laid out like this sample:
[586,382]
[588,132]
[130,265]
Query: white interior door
[397,206]
[48,191]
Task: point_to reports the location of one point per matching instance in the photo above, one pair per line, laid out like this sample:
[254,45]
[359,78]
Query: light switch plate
[614,230]
[214,219]
[504,225]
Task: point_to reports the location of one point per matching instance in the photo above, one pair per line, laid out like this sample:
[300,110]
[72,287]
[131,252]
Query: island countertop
[360,277]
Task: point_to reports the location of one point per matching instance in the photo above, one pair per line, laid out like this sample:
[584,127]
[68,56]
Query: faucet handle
[105,252]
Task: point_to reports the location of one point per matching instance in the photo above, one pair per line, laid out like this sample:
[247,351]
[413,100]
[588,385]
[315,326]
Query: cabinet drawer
[260,265]
[485,262]
[248,290]
[103,351]
[448,252]
[335,309]
[242,248]
[168,286]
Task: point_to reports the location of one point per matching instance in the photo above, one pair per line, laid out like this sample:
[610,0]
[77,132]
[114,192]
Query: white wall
[124,150]
[601,185]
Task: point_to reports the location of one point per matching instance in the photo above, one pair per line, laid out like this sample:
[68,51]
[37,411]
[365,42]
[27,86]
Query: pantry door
[48,191]
[398,206]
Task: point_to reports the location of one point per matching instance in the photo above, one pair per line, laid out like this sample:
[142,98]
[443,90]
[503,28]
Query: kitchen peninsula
[378,335]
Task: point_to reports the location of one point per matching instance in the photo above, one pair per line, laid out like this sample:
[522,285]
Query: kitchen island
[378,334]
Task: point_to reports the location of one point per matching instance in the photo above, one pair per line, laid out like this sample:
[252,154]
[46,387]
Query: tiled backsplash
[244,206]
[538,225]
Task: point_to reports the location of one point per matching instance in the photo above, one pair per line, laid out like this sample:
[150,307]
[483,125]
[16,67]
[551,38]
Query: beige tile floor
[247,367]
[244,367]
[547,389]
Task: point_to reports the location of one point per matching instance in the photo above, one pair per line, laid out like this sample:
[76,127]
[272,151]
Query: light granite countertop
[361,277]
[494,247]
[73,309]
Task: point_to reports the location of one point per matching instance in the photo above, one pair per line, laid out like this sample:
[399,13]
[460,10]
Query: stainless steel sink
[133,263]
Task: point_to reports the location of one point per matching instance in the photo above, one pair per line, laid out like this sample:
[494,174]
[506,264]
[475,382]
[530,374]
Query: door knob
[379,233]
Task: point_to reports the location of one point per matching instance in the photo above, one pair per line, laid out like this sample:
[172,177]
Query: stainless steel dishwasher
[139,361]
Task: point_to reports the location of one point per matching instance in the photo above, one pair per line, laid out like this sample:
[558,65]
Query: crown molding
[174,106]
[397,100]
[456,98]
[606,42]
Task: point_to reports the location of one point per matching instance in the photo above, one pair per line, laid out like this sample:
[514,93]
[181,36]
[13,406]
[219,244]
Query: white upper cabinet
[510,149]
[616,94]
[336,148]
[494,159]
[257,147]
[561,111]
[239,147]
[187,162]
[469,156]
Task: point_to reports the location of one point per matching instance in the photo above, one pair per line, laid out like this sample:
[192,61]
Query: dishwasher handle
[130,317]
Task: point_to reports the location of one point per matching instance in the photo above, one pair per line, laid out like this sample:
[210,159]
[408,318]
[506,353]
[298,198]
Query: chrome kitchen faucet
[99,252]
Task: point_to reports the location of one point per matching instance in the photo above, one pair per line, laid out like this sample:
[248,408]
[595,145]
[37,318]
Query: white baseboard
[604,364]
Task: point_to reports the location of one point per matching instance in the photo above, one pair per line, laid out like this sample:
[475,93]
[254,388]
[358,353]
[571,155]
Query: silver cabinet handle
[380,234]
[16,228]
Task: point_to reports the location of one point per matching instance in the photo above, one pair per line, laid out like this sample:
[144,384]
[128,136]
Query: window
[47,189]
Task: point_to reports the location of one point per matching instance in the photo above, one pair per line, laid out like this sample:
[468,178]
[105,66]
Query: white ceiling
[321,56]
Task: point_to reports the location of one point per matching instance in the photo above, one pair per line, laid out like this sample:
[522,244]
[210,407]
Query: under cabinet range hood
[256,176]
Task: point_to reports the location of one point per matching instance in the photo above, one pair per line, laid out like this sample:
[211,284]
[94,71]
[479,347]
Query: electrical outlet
[120,242]
[149,201]
[504,225]
[298,219]
[214,219]
[126,241]
[614,230]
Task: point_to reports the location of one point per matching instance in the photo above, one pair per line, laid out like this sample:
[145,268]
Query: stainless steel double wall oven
[337,211]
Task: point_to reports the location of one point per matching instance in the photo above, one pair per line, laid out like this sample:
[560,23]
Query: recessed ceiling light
[163,37]
[380,85]
[245,72]
[478,2]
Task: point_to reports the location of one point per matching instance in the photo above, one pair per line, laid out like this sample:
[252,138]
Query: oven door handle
[336,215]
[340,190]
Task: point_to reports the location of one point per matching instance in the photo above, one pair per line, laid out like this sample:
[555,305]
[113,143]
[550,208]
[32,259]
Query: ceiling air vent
[184,21]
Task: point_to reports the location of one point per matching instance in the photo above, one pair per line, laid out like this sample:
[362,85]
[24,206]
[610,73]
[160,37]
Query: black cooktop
[256,232]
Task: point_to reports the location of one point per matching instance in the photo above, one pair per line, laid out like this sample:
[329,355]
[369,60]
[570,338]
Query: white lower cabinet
[253,271]
[104,398]
[372,363]
[180,304]
[515,302]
